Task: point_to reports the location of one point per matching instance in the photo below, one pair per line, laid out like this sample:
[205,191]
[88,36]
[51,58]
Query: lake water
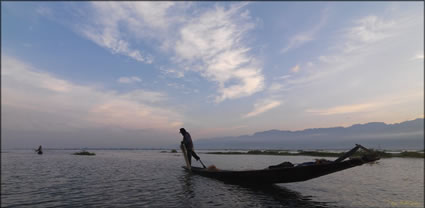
[143,178]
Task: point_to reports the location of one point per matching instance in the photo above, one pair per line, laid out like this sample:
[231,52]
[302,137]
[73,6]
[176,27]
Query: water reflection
[187,187]
[286,197]
[205,192]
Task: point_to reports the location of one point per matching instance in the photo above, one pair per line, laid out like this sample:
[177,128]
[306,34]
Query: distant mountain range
[405,135]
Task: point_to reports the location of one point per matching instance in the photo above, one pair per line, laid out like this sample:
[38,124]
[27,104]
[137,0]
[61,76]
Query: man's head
[182,131]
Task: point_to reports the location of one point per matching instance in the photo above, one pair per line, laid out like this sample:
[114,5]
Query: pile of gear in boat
[290,165]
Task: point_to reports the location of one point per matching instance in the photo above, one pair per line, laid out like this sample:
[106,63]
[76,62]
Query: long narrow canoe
[283,174]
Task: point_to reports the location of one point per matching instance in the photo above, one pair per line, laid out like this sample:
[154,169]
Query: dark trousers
[191,153]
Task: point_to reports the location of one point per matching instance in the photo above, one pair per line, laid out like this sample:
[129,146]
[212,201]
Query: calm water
[154,179]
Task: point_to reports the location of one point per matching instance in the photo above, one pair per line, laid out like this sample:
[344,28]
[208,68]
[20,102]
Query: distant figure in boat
[39,150]
[187,141]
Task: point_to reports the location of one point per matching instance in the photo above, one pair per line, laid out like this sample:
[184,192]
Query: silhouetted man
[39,150]
[187,141]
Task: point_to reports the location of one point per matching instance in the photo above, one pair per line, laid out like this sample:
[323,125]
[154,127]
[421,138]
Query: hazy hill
[405,135]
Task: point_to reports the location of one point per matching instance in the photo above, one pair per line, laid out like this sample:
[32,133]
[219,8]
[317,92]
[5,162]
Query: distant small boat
[39,150]
[285,173]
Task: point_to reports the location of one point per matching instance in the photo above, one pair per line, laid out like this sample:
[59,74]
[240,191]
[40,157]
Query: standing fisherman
[39,150]
[187,142]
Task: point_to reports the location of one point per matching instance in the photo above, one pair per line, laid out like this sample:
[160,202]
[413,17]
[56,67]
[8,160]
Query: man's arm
[184,140]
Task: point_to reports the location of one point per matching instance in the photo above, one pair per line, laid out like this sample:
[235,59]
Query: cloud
[283,77]
[172,72]
[363,63]
[368,30]
[209,41]
[212,45]
[262,107]
[356,108]
[110,38]
[36,100]
[226,130]
[129,80]
[275,87]
[113,25]
[358,41]
[371,105]
[419,56]
[356,45]
[295,69]
[301,38]
[330,59]
[44,11]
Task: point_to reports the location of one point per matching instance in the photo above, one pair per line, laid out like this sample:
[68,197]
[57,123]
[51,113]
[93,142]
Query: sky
[130,74]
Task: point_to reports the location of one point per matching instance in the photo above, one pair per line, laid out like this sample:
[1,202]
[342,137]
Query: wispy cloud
[225,131]
[283,77]
[368,30]
[310,64]
[354,46]
[209,41]
[275,87]
[262,107]
[227,60]
[301,38]
[44,11]
[110,39]
[371,105]
[49,103]
[172,72]
[113,25]
[361,36]
[295,69]
[356,108]
[362,48]
[330,59]
[129,80]
[418,56]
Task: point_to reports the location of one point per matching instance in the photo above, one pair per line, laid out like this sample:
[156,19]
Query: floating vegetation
[379,153]
[411,154]
[84,152]
[227,153]
[172,151]
[254,152]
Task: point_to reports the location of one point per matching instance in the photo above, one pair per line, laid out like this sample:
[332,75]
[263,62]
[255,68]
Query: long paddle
[202,163]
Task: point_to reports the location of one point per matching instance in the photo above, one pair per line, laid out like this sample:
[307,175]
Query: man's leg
[189,156]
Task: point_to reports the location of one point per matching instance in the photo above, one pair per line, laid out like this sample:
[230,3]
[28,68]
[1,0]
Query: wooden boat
[285,173]
[39,151]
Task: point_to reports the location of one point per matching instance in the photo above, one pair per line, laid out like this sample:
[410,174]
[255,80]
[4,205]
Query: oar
[202,163]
